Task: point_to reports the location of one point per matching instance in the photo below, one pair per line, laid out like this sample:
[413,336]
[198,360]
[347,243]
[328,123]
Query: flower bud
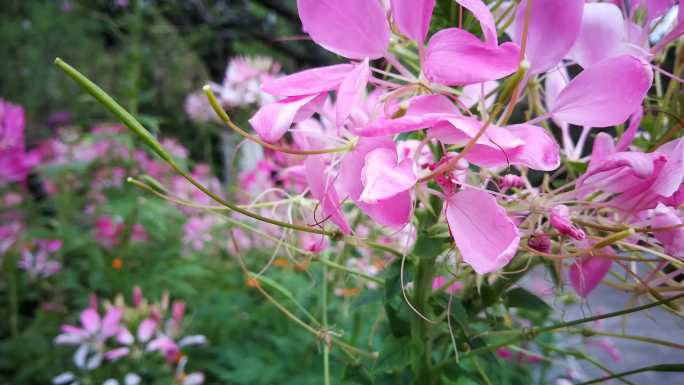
[560,220]
[539,242]
[511,181]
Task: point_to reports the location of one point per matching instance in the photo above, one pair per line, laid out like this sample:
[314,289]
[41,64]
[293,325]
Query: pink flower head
[560,220]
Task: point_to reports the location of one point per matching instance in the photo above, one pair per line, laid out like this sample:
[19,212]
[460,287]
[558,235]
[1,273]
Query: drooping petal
[587,273]
[484,16]
[484,234]
[553,28]
[457,57]
[352,89]
[413,17]
[307,82]
[272,121]
[601,35]
[355,29]
[323,189]
[383,178]
[605,94]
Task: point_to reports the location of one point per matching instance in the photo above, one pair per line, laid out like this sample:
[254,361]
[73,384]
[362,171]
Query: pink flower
[91,336]
[636,181]
[37,262]
[197,232]
[108,232]
[15,162]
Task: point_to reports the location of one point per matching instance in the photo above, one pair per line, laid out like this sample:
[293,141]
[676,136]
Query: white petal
[63,378]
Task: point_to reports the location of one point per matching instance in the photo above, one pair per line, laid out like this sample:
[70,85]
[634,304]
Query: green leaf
[428,247]
[395,354]
[523,299]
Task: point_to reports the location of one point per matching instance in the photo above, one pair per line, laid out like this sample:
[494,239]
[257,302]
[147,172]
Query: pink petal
[392,212]
[146,329]
[588,272]
[628,136]
[671,176]
[110,322]
[484,16]
[355,29]
[307,82]
[473,93]
[656,8]
[553,28]
[124,337]
[90,320]
[117,353]
[540,151]
[422,112]
[518,144]
[457,57]
[383,178]
[484,234]
[605,94]
[272,121]
[672,240]
[556,80]
[601,35]
[413,17]
[323,189]
[351,91]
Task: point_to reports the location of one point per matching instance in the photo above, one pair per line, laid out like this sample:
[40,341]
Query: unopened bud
[539,242]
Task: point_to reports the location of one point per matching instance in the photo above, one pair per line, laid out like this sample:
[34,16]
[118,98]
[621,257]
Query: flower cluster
[437,123]
[108,338]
